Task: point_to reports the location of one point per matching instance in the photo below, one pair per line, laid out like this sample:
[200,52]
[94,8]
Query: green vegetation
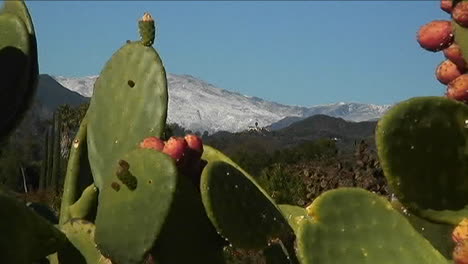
[128,197]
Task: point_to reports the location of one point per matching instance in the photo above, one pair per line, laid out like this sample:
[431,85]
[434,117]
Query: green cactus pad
[129,104]
[239,209]
[84,206]
[439,235]
[78,172]
[81,249]
[24,235]
[128,221]
[293,214]
[423,148]
[15,64]
[193,234]
[211,154]
[19,8]
[354,226]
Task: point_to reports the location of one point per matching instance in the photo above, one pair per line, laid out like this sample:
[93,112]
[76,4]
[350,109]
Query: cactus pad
[78,172]
[239,209]
[20,9]
[25,236]
[439,235]
[18,63]
[82,249]
[192,234]
[128,221]
[129,104]
[294,214]
[423,148]
[354,226]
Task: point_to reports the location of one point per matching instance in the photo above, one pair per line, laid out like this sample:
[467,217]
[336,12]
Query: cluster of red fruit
[460,237]
[438,35]
[186,151]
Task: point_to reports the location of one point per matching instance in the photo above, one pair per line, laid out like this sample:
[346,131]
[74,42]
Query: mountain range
[199,106]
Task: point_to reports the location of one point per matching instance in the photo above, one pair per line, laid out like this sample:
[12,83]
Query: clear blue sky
[298,53]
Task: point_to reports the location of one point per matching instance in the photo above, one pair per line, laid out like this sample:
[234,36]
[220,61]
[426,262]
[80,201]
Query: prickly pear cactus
[439,235]
[351,225]
[81,248]
[294,214]
[136,203]
[422,146]
[25,236]
[234,202]
[18,64]
[78,171]
[129,103]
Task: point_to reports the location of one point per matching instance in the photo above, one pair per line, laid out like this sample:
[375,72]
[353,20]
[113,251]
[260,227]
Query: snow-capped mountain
[199,106]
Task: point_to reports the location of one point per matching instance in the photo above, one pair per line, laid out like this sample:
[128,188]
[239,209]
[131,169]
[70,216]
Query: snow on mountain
[200,106]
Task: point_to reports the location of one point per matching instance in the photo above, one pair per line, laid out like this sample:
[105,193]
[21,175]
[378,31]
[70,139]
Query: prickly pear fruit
[175,147]
[458,88]
[447,71]
[436,35]
[460,233]
[454,54]
[194,142]
[446,5]
[152,143]
[460,253]
[460,14]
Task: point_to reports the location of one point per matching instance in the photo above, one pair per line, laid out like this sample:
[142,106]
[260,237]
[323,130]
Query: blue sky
[297,53]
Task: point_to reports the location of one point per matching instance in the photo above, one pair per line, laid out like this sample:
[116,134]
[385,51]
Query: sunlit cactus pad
[129,104]
[131,215]
[354,226]
[423,148]
[234,203]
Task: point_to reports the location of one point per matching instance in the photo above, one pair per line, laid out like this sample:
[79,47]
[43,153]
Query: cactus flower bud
[147,29]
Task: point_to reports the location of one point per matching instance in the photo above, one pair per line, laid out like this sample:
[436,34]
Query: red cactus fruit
[460,14]
[436,35]
[458,88]
[175,147]
[460,253]
[460,232]
[194,142]
[446,5]
[152,143]
[454,54]
[447,71]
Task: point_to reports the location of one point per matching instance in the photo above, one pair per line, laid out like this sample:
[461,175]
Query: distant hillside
[51,94]
[312,128]
[200,106]
[329,126]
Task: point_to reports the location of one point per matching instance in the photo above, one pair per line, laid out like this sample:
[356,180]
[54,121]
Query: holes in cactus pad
[131,83]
